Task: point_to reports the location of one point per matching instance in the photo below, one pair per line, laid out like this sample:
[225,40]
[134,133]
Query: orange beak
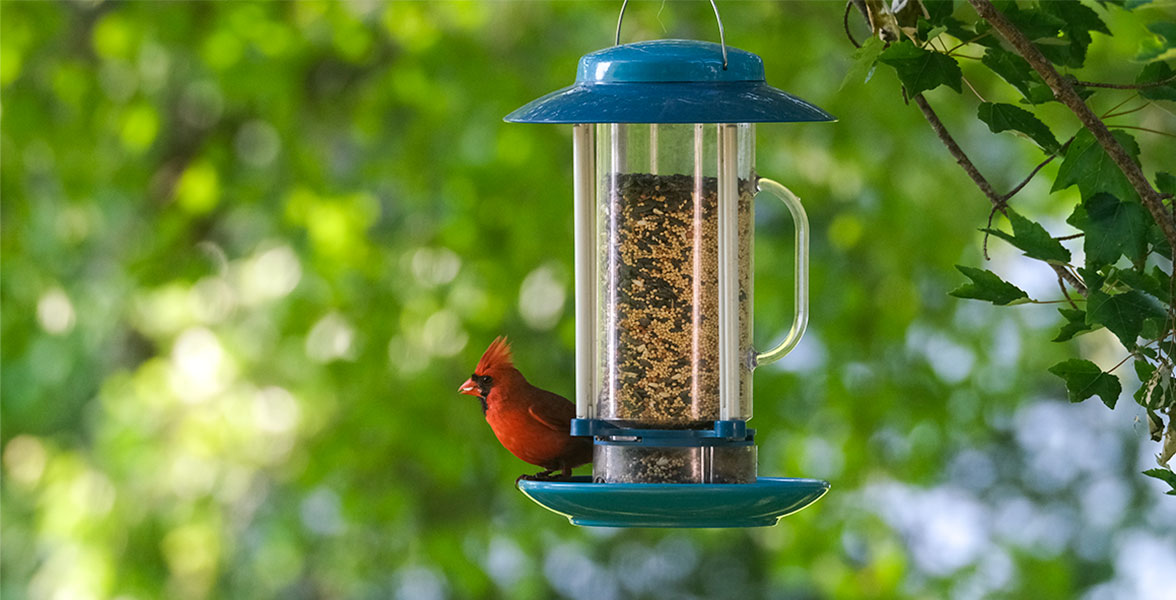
[469,388]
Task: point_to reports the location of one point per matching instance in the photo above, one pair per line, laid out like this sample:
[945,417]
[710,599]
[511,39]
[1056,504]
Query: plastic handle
[800,321]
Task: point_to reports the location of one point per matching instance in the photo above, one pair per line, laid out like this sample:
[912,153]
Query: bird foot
[546,476]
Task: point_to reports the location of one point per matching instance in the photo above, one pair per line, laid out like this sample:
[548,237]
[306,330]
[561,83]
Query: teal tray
[759,504]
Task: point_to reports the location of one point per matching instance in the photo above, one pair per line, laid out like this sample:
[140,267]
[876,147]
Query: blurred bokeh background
[251,249]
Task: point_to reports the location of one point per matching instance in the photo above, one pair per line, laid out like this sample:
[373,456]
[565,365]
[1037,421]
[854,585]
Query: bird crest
[496,356]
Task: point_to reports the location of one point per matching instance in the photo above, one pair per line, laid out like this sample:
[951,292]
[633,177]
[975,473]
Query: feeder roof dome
[669,81]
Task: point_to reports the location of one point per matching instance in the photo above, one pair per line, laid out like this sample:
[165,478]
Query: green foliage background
[250,250]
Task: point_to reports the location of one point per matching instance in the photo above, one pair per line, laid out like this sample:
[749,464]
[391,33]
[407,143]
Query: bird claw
[565,475]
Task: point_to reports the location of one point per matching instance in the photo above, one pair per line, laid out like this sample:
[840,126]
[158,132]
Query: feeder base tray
[759,504]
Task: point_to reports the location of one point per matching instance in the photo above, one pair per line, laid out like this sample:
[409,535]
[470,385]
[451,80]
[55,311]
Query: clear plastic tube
[584,223]
[659,270]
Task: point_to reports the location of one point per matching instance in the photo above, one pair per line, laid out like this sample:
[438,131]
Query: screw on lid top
[668,61]
[669,81]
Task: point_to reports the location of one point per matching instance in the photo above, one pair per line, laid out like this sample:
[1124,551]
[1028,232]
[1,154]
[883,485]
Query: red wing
[554,411]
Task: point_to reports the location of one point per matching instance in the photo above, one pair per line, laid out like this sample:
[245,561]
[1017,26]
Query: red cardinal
[532,423]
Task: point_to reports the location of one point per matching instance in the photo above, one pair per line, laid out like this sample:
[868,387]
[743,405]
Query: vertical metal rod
[728,271]
[653,148]
[696,300]
[584,225]
[617,164]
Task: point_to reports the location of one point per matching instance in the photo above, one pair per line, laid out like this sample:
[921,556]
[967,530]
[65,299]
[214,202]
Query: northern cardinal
[532,423]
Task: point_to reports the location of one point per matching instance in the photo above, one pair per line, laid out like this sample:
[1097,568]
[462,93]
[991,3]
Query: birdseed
[661,299]
[682,464]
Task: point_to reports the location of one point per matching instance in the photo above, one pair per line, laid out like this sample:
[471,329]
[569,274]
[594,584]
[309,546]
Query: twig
[1026,181]
[974,91]
[1069,237]
[1135,353]
[998,201]
[1147,129]
[1129,356]
[1117,106]
[1127,86]
[991,215]
[1065,93]
[1126,112]
[973,40]
[1065,292]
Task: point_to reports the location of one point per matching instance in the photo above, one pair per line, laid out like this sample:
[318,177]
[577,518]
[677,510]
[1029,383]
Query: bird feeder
[665,185]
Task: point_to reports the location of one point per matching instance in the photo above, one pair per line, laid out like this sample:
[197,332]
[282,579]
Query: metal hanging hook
[722,35]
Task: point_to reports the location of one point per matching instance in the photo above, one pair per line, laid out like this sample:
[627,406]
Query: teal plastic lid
[668,61]
[669,81]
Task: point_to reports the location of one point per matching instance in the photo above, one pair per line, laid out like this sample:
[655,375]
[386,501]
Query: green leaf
[1078,20]
[863,61]
[1153,327]
[1033,239]
[1162,45]
[920,70]
[1084,379]
[1134,4]
[1113,229]
[1155,424]
[1075,324]
[1154,284]
[1144,371]
[1155,386]
[1076,15]
[988,286]
[939,11]
[1122,313]
[1157,71]
[960,31]
[1158,242]
[1164,475]
[1087,165]
[1017,72]
[1006,117]
[931,33]
[1036,24]
[1045,30]
[1116,229]
[1092,278]
[1166,183]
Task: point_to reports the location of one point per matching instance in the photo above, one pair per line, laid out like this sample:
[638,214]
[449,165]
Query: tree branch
[958,153]
[1065,93]
[997,200]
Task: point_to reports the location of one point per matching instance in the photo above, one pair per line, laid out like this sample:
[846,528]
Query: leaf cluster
[1123,280]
